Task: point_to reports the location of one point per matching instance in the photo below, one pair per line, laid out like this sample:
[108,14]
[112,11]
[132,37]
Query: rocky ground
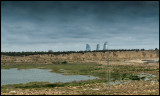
[135,88]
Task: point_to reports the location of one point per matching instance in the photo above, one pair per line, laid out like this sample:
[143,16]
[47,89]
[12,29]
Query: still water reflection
[14,76]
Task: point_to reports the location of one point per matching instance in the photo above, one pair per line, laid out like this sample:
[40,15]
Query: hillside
[80,57]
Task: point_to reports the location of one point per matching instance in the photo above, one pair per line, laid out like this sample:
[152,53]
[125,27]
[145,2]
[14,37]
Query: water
[151,61]
[119,82]
[146,76]
[14,76]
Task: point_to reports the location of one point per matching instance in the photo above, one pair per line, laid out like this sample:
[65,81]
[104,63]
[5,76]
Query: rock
[12,92]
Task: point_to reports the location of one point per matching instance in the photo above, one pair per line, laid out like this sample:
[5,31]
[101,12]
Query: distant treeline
[64,52]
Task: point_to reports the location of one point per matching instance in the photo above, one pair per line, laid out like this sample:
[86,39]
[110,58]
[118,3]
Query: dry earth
[135,88]
[80,57]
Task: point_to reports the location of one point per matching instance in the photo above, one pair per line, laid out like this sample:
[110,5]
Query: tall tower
[98,46]
[88,48]
[105,46]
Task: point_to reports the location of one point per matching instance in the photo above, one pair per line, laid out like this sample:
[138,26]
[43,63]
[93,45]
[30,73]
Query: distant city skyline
[98,47]
[88,47]
[70,25]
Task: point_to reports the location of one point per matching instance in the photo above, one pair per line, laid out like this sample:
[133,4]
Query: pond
[14,76]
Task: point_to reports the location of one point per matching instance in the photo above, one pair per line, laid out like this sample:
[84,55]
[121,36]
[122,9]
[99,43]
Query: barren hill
[80,57]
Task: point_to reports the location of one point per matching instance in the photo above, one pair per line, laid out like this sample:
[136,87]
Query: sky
[70,25]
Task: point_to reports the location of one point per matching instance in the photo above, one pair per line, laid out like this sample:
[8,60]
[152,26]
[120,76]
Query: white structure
[98,46]
[105,46]
[88,48]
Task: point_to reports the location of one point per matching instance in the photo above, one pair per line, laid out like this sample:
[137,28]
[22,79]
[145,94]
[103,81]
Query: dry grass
[135,88]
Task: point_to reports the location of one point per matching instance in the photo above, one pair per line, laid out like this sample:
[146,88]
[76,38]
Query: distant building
[97,48]
[88,48]
[105,46]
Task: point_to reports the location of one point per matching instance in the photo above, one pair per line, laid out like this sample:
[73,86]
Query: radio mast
[107,67]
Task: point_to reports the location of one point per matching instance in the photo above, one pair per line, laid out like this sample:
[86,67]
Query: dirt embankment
[80,57]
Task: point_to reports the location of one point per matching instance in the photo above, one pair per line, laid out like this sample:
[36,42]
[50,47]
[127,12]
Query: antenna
[107,67]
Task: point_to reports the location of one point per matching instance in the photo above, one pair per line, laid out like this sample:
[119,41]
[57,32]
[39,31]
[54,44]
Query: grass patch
[52,85]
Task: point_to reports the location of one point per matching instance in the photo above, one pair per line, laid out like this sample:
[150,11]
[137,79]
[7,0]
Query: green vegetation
[117,72]
[52,85]
[64,62]
[70,68]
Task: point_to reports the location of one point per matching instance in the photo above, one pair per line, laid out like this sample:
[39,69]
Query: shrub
[64,62]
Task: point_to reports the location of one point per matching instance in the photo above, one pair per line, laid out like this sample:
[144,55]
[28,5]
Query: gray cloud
[61,25]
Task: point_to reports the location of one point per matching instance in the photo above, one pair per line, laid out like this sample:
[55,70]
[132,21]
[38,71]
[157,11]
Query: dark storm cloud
[69,25]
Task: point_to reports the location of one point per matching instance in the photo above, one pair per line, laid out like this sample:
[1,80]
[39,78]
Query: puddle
[118,82]
[145,76]
[150,61]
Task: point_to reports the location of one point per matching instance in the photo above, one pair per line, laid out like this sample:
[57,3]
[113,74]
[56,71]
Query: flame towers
[88,48]
[98,46]
[105,46]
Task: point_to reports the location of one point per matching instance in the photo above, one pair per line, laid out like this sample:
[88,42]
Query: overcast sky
[70,25]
